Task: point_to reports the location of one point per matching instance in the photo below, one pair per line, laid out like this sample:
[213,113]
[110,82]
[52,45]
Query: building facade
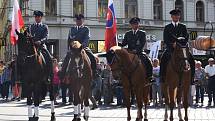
[154,14]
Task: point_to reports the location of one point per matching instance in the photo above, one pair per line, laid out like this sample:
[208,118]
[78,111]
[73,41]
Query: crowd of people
[106,90]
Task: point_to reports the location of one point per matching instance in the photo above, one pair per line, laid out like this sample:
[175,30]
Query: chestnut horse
[177,80]
[128,68]
[79,77]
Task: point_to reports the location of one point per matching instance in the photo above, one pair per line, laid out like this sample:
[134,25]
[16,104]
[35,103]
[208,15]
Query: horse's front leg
[87,92]
[29,103]
[77,103]
[179,93]
[185,102]
[172,94]
[139,94]
[146,100]
[127,102]
[166,95]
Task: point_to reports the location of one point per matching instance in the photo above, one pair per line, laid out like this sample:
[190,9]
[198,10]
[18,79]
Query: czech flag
[110,33]
[17,22]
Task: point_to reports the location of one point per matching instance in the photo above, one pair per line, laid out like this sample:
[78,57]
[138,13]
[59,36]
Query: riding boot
[192,66]
[65,63]
[163,65]
[93,62]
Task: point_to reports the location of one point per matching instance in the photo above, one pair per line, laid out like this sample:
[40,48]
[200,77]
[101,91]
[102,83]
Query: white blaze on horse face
[187,66]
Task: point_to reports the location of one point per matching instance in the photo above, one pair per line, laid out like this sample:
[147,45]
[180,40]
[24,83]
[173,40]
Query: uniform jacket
[171,33]
[39,32]
[81,34]
[134,41]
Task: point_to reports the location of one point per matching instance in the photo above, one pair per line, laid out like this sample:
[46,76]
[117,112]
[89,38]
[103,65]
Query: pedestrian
[56,80]
[199,80]
[156,87]
[107,80]
[210,75]
[6,78]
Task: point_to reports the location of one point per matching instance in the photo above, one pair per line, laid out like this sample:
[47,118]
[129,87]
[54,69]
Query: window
[24,6]
[102,8]
[200,11]
[157,9]
[130,8]
[51,7]
[78,7]
[180,5]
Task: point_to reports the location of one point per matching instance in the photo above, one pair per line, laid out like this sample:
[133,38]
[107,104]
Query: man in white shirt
[210,74]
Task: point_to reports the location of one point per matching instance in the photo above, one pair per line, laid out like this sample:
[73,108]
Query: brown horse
[80,77]
[177,81]
[128,67]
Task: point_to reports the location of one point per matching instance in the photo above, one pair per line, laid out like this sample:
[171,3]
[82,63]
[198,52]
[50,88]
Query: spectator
[156,87]
[210,74]
[199,80]
[6,78]
[1,81]
[107,80]
[56,80]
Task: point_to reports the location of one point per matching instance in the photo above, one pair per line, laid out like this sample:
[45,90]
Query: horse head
[76,66]
[26,47]
[115,62]
[181,53]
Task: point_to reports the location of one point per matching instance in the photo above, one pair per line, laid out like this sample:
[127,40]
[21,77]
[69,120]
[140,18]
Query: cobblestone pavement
[17,111]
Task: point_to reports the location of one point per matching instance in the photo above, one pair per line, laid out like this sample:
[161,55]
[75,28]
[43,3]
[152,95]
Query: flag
[110,33]
[17,22]
[154,50]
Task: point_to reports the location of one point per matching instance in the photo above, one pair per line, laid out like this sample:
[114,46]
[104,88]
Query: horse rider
[136,39]
[39,32]
[171,33]
[80,33]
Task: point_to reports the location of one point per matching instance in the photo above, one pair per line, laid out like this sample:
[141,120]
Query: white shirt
[135,31]
[210,70]
[175,23]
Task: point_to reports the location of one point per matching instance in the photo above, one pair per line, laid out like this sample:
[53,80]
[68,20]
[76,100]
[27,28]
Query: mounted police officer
[39,32]
[171,33]
[80,33]
[136,39]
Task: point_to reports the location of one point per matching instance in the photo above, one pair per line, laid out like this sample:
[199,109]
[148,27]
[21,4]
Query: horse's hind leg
[51,95]
[145,100]
[166,95]
[127,102]
[172,94]
[139,104]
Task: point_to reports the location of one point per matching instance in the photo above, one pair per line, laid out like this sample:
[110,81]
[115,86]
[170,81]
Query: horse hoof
[145,119]
[165,120]
[128,118]
[53,118]
[186,119]
[76,119]
[86,118]
[181,120]
[35,118]
[30,119]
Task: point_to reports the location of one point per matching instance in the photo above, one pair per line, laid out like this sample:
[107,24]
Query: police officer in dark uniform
[39,32]
[80,33]
[136,39]
[171,33]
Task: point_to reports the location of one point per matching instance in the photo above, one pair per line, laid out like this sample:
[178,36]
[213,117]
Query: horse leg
[172,94]
[86,91]
[185,102]
[145,100]
[51,95]
[179,104]
[29,103]
[139,104]
[36,93]
[77,102]
[127,103]
[166,95]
